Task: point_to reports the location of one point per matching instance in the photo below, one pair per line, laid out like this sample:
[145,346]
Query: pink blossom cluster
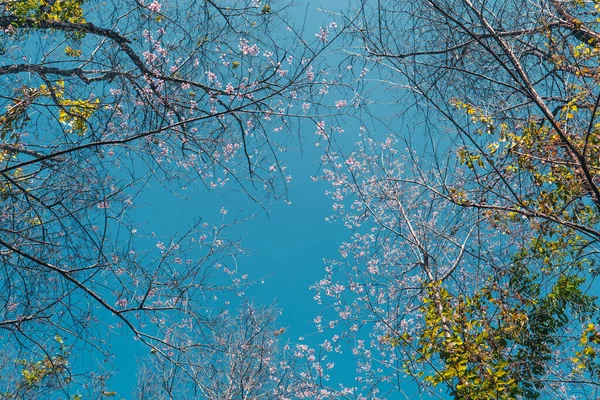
[246,49]
[155,6]
[322,35]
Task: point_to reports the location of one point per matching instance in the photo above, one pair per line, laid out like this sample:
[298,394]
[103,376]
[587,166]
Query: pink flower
[322,35]
[246,49]
[211,76]
[150,57]
[340,103]
[310,74]
[121,303]
[155,6]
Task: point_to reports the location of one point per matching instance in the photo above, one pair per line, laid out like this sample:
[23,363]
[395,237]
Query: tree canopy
[473,211]
[475,251]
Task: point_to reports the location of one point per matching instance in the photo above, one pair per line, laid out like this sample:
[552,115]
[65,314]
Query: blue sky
[286,245]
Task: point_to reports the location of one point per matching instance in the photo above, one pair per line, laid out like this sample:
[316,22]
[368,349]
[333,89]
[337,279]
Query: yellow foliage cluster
[59,10]
[74,114]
